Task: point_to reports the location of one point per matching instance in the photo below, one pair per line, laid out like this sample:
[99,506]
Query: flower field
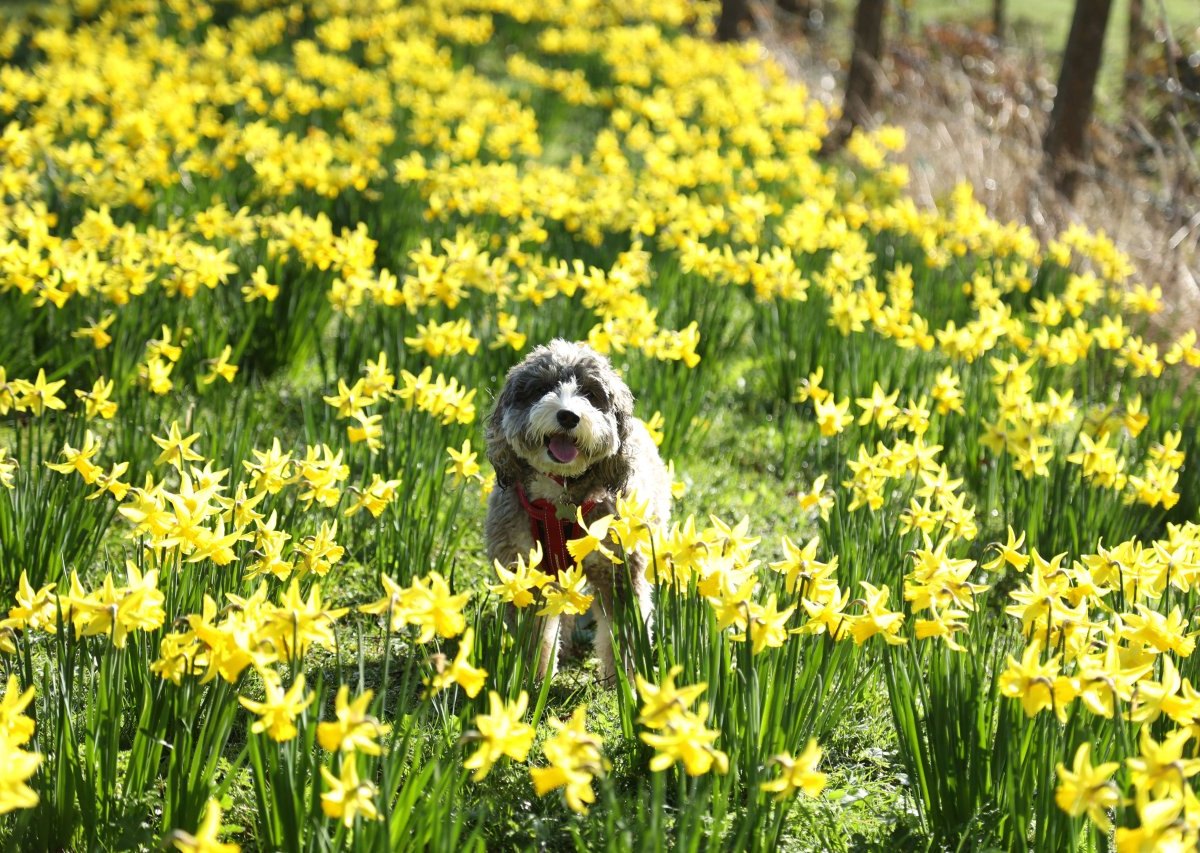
[263,267]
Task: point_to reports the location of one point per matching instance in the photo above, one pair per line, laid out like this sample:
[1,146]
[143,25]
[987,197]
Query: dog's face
[562,410]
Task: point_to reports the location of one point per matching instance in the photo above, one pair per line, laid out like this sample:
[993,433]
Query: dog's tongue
[563,449]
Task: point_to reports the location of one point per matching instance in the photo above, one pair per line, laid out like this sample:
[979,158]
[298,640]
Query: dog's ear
[519,383]
[613,472]
[506,463]
[622,405]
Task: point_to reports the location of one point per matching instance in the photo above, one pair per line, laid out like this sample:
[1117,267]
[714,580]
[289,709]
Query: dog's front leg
[509,538]
[612,585]
[551,627]
[600,575]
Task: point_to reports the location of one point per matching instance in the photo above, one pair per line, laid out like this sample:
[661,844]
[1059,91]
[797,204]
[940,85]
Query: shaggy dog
[563,437]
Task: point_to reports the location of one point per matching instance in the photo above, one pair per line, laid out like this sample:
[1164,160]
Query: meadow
[934,558]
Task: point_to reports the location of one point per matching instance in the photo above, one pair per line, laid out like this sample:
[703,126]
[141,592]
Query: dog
[562,437]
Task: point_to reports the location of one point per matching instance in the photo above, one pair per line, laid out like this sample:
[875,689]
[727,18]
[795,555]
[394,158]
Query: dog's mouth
[562,449]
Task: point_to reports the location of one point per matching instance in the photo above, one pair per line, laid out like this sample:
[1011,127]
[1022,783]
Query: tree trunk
[999,19]
[1138,38]
[1064,143]
[809,12]
[862,80]
[734,13]
[795,7]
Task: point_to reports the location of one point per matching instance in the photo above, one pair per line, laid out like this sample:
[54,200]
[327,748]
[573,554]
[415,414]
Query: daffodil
[277,713]
[1162,632]
[507,334]
[1087,789]
[346,796]
[375,498]
[817,497]
[591,539]
[463,465]
[631,527]
[660,702]
[879,408]
[296,623]
[97,330]
[352,729]
[220,367]
[206,838]
[947,393]
[574,758]
[803,573]
[459,671]
[810,388]
[1160,825]
[272,470]
[943,624]
[34,609]
[97,402]
[1008,553]
[499,732]
[766,625]
[1030,680]
[518,584]
[685,738]
[16,728]
[875,619]
[259,287]
[176,448]
[430,605]
[832,416]
[1160,768]
[40,395]
[797,774]
[80,461]
[565,595]
[8,469]
[369,430]
[349,400]
[115,611]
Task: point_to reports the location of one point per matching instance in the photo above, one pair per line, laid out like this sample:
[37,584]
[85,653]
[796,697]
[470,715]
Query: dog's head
[563,412]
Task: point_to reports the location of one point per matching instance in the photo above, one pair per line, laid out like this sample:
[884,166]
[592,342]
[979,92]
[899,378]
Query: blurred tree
[734,14]
[795,7]
[862,81]
[811,13]
[1139,36]
[1000,19]
[1064,144]
[904,16]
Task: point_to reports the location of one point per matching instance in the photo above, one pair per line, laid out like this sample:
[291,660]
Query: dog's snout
[567,419]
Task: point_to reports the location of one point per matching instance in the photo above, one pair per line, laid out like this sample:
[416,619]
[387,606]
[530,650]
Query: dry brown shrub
[975,112]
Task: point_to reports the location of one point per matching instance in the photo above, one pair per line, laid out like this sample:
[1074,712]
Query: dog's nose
[567,419]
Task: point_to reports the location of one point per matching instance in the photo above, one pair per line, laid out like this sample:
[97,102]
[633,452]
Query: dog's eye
[533,391]
[596,397]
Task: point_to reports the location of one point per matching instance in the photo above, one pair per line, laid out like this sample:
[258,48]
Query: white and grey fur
[570,390]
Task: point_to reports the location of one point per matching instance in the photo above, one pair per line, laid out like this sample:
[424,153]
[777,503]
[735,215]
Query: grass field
[934,557]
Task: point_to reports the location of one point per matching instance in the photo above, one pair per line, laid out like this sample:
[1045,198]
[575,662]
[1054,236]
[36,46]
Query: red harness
[551,531]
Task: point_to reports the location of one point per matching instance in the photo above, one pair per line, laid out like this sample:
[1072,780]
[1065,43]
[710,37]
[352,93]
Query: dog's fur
[615,456]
